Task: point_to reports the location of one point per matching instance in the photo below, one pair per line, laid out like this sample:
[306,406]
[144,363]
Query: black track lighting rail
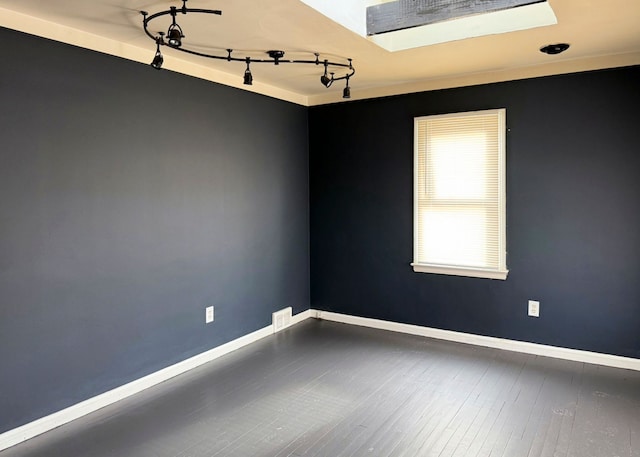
[333,71]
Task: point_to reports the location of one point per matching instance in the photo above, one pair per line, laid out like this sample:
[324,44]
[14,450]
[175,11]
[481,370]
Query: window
[459,194]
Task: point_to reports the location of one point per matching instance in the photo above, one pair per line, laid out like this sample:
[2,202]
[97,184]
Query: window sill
[460,271]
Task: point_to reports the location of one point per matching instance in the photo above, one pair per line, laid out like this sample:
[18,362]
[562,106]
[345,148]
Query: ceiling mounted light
[157,59]
[174,39]
[174,36]
[248,77]
[324,79]
[346,93]
[553,49]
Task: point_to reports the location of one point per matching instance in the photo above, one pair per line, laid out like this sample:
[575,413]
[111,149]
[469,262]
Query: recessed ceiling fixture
[554,48]
[333,70]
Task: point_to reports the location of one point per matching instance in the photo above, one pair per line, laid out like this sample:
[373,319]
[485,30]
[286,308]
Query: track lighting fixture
[157,59]
[174,35]
[248,77]
[324,79]
[334,70]
[346,93]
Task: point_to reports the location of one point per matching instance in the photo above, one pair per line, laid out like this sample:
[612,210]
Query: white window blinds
[459,213]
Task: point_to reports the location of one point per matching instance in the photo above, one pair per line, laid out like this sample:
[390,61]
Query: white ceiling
[602,34]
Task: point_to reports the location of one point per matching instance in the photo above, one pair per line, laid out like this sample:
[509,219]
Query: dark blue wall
[573,213]
[130,200]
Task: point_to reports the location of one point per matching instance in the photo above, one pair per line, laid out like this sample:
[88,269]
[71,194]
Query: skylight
[352,14]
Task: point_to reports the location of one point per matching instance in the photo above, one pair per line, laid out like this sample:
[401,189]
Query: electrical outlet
[209,315]
[534,308]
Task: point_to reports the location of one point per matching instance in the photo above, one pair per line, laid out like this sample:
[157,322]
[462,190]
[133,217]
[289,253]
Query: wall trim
[32,429]
[575,355]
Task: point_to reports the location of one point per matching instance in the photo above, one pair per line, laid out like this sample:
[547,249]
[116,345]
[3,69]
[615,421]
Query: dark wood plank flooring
[327,389]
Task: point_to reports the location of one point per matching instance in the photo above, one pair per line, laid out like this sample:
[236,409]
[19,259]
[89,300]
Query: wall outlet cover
[209,316]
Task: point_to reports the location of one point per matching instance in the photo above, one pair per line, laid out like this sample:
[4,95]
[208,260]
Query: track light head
[175,36]
[248,77]
[346,93]
[158,59]
[324,79]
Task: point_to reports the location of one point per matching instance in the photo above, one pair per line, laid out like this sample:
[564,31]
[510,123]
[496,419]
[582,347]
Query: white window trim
[459,271]
[501,272]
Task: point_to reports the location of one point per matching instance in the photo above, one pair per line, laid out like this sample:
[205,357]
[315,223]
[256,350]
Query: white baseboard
[487,341]
[297,318]
[39,426]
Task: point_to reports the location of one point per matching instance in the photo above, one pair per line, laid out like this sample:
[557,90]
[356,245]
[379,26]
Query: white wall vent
[282,319]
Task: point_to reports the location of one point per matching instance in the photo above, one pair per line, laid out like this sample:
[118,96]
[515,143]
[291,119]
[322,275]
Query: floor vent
[281,319]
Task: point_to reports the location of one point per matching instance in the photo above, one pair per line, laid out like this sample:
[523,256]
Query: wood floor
[328,389]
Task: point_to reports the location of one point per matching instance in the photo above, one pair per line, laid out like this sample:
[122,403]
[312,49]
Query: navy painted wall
[573,213]
[130,200]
